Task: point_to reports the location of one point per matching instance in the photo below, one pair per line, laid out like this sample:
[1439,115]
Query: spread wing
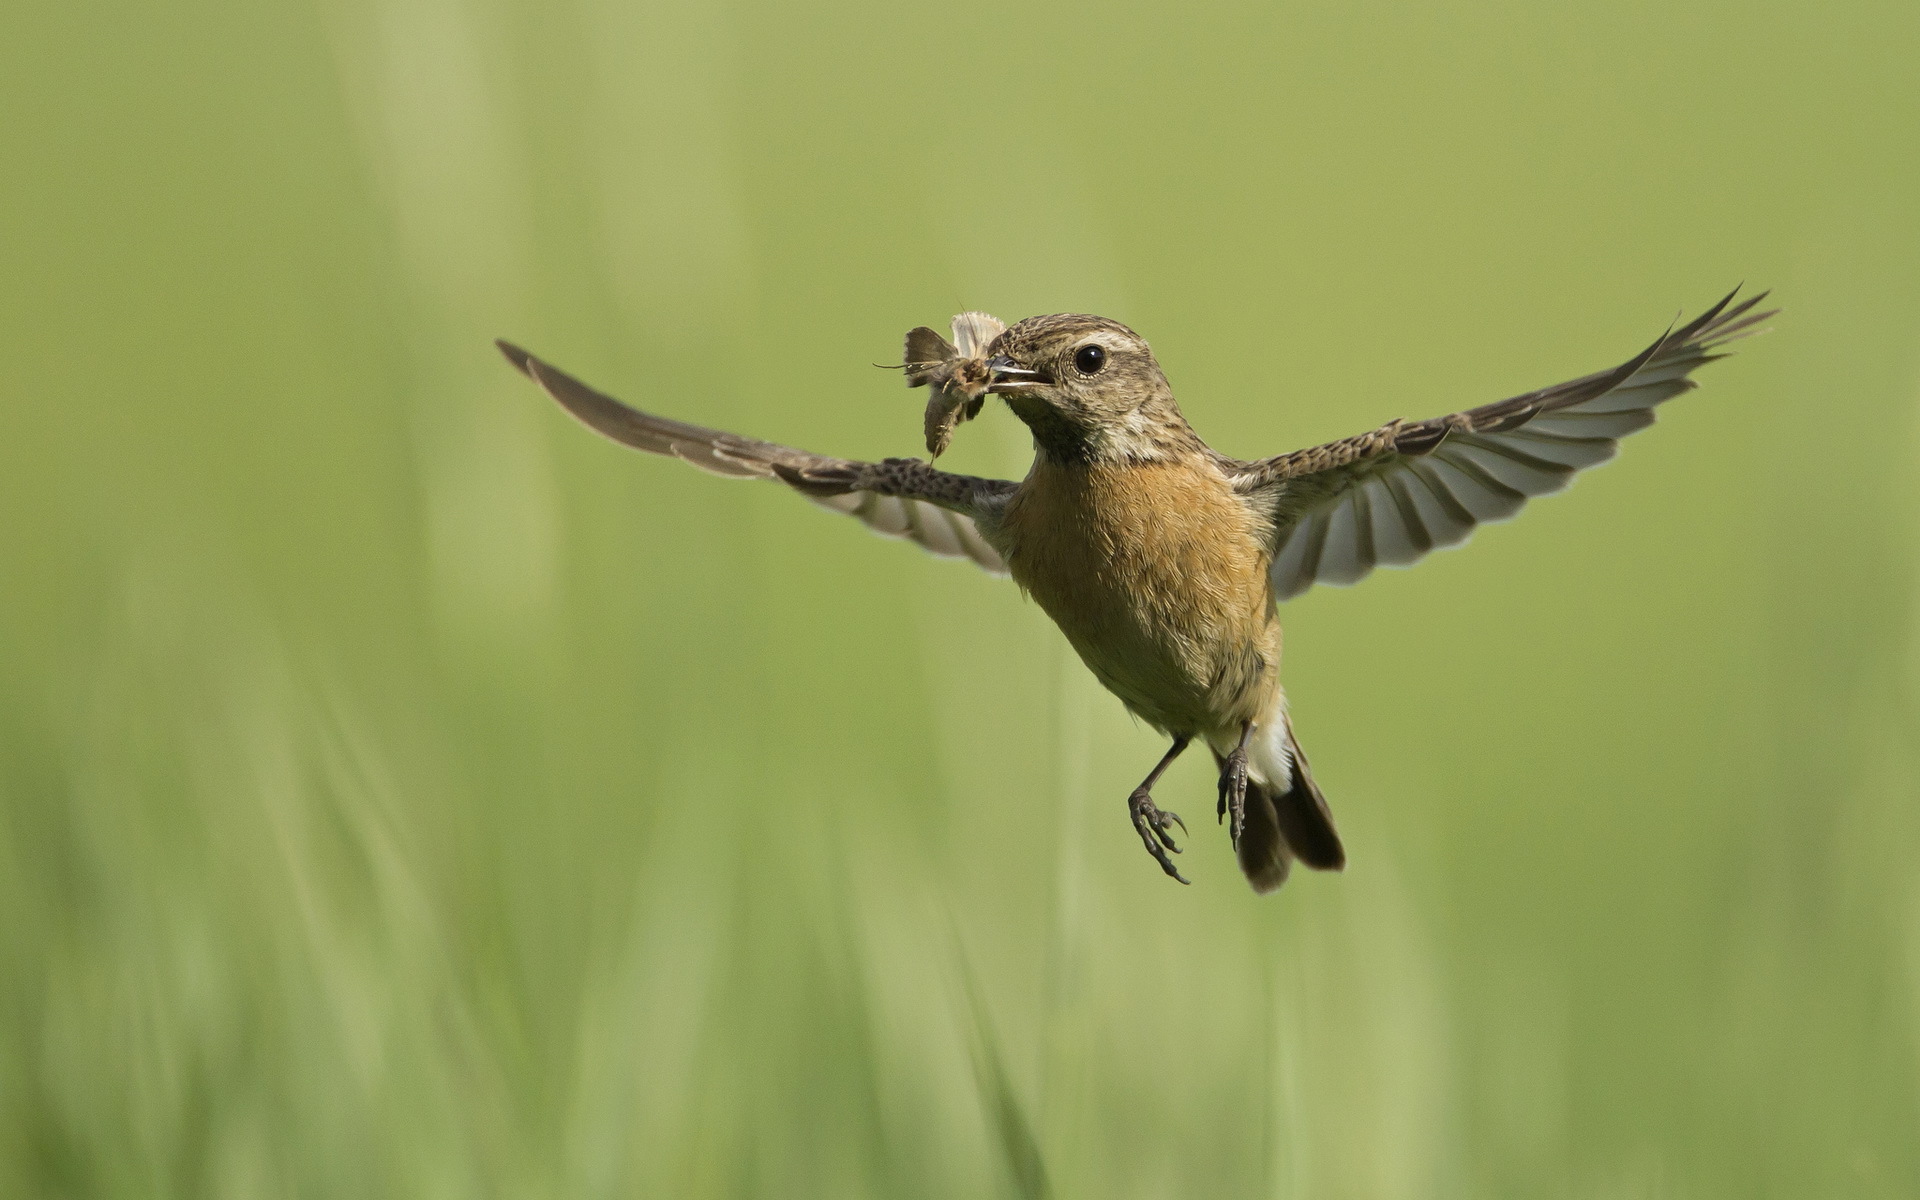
[897,497]
[1388,497]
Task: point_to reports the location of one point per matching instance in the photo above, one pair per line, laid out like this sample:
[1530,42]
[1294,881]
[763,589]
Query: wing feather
[1391,496]
[1346,549]
[899,498]
[1398,536]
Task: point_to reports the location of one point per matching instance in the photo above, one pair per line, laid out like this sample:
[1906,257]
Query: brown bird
[1163,560]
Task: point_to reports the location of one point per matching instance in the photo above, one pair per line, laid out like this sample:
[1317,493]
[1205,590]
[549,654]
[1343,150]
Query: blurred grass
[404,793]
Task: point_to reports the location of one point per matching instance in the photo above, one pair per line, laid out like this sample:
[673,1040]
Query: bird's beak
[1003,376]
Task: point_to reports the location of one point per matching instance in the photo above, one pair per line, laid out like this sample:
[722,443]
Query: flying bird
[1163,561]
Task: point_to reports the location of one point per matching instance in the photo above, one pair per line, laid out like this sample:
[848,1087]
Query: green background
[405,793]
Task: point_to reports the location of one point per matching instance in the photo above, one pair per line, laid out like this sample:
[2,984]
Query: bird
[1164,561]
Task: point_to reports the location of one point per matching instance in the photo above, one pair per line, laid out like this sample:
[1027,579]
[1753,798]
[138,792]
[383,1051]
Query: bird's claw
[1233,793]
[1152,823]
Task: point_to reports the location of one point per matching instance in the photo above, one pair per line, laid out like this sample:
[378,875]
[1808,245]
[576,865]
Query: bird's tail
[1287,817]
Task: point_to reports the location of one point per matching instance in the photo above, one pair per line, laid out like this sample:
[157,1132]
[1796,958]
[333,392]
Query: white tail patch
[1270,754]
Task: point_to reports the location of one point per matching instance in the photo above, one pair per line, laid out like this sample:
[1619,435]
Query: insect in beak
[955,373]
[1003,376]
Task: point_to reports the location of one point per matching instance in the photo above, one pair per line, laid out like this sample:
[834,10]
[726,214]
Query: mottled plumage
[1162,560]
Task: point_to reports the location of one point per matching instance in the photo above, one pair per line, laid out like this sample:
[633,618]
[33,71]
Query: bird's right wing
[898,497]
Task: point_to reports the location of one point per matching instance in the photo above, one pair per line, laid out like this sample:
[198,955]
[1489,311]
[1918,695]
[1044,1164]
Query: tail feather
[1305,820]
[1285,822]
[1262,850]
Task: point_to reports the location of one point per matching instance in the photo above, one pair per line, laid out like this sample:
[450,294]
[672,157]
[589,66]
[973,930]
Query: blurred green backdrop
[405,793]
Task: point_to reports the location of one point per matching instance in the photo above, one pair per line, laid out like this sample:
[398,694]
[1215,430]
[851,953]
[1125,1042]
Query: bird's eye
[1089,359]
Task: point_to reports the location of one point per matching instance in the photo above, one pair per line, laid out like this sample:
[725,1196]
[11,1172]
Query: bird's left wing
[898,497]
[1390,496]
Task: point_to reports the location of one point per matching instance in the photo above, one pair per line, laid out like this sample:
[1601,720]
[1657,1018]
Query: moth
[954,371]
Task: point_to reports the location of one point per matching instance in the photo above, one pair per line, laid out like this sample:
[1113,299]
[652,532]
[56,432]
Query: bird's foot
[1233,792]
[1153,823]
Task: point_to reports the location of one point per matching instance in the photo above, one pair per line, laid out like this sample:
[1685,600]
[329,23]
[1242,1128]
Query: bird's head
[1088,388]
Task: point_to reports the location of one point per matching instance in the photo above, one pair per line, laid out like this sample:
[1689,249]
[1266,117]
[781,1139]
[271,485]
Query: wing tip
[521,360]
[1726,321]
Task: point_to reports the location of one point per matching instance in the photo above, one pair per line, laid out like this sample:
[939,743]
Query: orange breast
[1157,574]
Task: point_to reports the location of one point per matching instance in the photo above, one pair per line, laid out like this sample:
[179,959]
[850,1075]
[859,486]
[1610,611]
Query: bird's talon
[1160,821]
[1233,792]
[1151,822]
